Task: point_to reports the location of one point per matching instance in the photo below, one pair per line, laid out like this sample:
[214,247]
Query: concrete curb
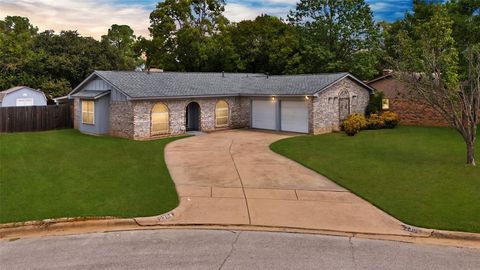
[64,226]
[455,235]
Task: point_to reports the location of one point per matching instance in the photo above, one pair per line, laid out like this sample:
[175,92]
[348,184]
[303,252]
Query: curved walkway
[233,178]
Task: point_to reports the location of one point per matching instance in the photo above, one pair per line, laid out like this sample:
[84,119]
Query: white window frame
[92,112]
[222,109]
[20,102]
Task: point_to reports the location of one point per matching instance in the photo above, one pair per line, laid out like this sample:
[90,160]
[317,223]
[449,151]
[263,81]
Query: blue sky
[94,17]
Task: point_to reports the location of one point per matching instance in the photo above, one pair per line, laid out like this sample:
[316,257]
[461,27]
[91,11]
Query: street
[218,249]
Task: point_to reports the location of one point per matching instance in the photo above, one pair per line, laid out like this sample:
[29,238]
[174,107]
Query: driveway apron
[233,178]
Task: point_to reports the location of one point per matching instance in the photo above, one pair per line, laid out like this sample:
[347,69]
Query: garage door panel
[294,116]
[264,114]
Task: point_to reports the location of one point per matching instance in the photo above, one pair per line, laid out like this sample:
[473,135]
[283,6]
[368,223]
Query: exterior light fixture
[307,97]
[273,99]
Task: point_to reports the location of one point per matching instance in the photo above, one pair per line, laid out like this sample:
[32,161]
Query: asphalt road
[208,249]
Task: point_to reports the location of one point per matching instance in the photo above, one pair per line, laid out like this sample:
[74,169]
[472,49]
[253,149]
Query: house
[397,98]
[143,105]
[22,96]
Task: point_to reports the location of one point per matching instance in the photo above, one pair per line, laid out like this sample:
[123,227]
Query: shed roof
[142,85]
[16,88]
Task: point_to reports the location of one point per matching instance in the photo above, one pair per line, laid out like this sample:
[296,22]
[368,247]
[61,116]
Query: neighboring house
[142,105]
[398,99]
[22,96]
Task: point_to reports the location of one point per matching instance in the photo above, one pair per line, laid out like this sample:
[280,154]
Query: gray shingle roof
[178,84]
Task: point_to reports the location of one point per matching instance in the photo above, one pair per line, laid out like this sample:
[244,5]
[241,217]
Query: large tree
[122,39]
[266,44]
[180,30]
[54,62]
[338,35]
[428,62]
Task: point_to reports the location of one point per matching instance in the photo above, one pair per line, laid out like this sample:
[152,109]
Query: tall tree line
[57,62]
[318,36]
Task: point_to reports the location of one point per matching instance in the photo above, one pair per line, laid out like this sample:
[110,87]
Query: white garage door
[263,114]
[294,115]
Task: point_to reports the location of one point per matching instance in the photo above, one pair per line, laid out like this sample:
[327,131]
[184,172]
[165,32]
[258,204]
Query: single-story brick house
[143,105]
[410,110]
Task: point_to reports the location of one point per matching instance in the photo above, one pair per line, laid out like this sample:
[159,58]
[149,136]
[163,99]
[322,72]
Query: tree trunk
[470,153]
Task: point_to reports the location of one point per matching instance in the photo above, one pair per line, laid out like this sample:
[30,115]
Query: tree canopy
[57,62]
[193,35]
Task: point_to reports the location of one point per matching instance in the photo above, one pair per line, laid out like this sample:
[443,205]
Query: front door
[193,116]
[344,107]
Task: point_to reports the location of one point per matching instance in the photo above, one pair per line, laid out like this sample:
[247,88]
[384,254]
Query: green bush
[354,123]
[375,121]
[390,119]
[375,103]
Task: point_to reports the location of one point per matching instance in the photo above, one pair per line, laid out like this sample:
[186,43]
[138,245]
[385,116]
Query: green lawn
[67,174]
[416,174]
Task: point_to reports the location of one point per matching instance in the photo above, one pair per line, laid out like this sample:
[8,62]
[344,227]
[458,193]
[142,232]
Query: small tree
[428,62]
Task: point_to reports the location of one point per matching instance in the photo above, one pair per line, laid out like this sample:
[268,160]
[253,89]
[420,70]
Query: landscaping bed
[65,173]
[416,174]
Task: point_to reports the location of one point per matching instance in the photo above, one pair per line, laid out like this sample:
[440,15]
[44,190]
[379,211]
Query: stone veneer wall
[239,115]
[76,113]
[121,119]
[324,116]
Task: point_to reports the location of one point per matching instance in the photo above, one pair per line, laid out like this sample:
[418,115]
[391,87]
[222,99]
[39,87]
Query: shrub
[375,121]
[354,123]
[390,119]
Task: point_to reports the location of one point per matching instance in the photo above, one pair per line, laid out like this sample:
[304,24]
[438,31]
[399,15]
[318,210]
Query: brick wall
[239,115]
[411,112]
[76,113]
[325,108]
[121,119]
[415,113]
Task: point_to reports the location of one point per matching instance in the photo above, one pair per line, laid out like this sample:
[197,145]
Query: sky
[94,17]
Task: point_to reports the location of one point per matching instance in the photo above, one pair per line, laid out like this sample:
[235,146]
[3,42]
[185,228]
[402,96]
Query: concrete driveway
[232,177]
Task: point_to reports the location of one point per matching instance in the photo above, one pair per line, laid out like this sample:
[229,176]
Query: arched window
[159,119]
[221,114]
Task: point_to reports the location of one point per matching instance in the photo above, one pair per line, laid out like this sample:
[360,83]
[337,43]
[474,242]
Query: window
[160,119]
[385,104]
[88,112]
[24,102]
[221,114]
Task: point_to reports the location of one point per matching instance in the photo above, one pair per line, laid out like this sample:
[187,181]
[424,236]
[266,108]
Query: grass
[68,174]
[416,174]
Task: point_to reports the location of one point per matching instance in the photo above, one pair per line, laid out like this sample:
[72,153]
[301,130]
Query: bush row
[356,122]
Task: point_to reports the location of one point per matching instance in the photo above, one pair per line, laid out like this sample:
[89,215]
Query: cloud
[237,11]
[89,17]
[94,17]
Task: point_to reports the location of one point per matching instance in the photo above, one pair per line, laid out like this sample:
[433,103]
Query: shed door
[263,114]
[294,115]
[24,102]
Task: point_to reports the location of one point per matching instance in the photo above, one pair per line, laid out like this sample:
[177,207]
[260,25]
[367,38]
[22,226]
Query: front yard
[416,174]
[67,174]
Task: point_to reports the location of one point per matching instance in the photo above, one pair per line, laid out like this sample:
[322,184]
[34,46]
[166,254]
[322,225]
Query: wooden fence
[35,118]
